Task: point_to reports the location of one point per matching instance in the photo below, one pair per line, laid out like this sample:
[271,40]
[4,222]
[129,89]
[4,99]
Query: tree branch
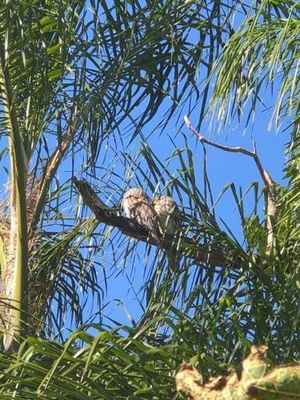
[270,201]
[206,253]
[51,167]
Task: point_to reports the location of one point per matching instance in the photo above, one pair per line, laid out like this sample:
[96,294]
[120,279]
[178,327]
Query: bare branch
[266,177]
[190,248]
[51,167]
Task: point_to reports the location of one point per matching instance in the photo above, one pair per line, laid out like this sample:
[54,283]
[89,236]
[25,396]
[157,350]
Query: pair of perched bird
[159,215]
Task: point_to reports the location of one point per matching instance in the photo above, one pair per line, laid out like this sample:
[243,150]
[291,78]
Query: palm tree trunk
[16,270]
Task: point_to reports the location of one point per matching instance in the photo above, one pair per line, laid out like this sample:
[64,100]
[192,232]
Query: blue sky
[122,293]
[223,168]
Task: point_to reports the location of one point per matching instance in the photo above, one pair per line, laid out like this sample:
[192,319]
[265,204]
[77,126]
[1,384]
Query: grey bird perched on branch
[169,223]
[160,217]
[137,206]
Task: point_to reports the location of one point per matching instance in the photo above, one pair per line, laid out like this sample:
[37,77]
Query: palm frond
[263,52]
[59,260]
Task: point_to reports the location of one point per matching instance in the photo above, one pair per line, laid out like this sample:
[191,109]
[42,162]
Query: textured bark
[207,253]
[255,383]
[8,240]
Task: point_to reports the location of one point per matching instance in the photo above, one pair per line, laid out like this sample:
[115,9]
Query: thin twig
[263,173]
[266,177]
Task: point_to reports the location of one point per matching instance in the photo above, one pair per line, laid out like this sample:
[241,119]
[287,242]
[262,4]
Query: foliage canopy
[80,83]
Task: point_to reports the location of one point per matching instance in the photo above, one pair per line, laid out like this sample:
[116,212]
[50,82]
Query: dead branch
[270,201]
[206,253]
[52,165]
[48,173]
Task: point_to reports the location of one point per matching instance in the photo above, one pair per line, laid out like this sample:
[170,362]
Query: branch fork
[205,253]
[270,201]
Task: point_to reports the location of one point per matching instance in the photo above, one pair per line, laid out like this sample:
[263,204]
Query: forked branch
[206,253]
[268,181]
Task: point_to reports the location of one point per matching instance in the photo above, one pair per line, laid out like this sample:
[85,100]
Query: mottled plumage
[167,211]
[169,223]
[137,206]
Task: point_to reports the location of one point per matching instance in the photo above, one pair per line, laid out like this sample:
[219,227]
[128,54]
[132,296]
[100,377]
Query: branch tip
[265,176]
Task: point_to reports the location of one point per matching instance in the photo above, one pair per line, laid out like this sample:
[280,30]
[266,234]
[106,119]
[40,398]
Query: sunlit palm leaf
[263,52]
[71,278]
